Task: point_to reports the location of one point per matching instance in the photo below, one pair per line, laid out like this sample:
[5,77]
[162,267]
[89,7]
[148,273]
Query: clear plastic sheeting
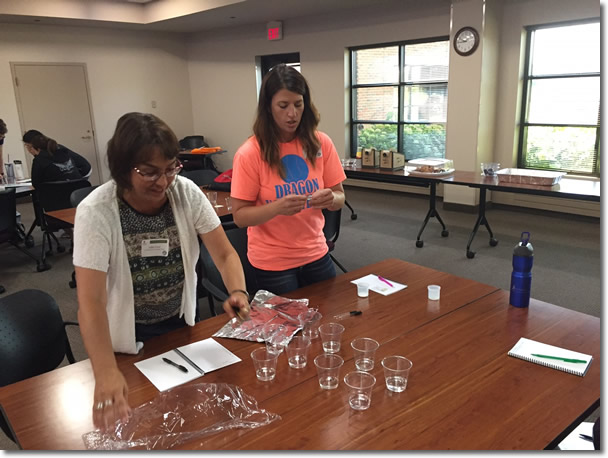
[266,308]
[181,415]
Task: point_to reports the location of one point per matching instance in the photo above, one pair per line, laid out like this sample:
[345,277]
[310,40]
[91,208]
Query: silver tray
[526,176]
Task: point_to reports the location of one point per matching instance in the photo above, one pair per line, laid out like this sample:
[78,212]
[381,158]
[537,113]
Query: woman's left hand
[323,198]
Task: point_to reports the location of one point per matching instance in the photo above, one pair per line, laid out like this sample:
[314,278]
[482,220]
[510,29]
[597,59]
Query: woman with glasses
[135,251]
[282,178]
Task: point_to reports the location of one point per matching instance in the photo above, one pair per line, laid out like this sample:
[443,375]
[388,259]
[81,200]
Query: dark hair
[43,143]
[267,134]
[138,136]
[3,128]
[30,134]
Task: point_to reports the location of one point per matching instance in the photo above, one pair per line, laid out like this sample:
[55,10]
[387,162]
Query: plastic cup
[265,364]
[328,370]
[310,323]
[297,352]
[364,352]
[228,204]
[331,335]
[276,337]
[396,372]
[362,289]
[212,196]
[434,292]
[360,385]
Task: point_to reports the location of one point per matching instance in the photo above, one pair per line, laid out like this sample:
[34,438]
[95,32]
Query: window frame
[400,85]
[525,100]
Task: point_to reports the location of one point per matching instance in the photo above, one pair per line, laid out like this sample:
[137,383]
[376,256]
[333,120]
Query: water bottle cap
[524,247]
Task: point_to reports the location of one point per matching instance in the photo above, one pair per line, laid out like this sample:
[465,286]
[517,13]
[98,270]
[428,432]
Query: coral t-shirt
[285,242]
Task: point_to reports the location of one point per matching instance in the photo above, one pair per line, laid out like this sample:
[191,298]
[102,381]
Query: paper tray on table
[526,176]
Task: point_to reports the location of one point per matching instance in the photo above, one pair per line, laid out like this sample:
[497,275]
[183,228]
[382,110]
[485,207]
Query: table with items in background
[464,391]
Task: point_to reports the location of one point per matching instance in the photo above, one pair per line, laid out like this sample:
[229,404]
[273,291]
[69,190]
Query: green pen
[567,360]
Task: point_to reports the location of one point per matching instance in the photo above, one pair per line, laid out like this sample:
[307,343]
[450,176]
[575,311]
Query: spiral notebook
[551,356]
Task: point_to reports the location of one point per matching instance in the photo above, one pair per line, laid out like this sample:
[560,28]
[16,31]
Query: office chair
[9,232]
[76,197]
[54,195]
[212,280]
[192,141]
[201,177]
[331,229]
[33,339]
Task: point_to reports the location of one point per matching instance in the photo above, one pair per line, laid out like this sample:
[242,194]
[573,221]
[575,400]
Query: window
[560,117]
[399,94]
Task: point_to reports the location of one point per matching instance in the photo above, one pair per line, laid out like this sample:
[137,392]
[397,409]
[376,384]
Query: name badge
[154,247]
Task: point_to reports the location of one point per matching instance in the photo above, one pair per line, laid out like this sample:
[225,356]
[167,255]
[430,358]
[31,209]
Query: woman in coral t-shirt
[283,177]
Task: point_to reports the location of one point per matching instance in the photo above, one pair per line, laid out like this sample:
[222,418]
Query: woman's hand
[237,304]
[110,402]
[323,198]
[290,204]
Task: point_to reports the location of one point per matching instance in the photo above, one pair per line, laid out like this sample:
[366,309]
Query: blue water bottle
[521,278]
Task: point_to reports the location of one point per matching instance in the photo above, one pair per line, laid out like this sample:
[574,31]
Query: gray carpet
[566,272]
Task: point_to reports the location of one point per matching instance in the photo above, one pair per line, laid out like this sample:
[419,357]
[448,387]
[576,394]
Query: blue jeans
[284,281]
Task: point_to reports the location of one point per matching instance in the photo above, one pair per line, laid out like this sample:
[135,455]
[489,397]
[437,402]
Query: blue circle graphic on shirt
[296,168]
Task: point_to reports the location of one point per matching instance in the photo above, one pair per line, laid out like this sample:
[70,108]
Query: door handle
[86,137]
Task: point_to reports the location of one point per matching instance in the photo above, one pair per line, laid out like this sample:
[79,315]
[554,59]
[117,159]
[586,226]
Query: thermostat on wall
[274,30]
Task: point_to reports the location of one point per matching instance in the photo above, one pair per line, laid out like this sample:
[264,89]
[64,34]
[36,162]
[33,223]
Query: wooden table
[68,215]
[464,391]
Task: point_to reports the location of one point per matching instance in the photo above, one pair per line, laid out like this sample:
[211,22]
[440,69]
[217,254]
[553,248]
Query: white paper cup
[362,289]
[434,292]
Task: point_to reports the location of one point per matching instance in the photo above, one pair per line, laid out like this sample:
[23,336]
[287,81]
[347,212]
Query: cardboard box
[392,160]
[370,158]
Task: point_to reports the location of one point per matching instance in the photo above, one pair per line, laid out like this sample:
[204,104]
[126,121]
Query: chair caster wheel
[72,284]
[470,254]
[419,243]
[42,267]
[493,242]
[60,249]
[353,217]
[445,233]
[29,242]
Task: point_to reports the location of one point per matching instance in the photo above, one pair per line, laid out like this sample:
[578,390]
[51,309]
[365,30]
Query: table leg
[481,219]
[430,214]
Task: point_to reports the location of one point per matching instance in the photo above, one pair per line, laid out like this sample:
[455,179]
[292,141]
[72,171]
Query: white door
[54,99]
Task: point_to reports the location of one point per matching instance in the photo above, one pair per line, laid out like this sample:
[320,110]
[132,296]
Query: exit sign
[274,30]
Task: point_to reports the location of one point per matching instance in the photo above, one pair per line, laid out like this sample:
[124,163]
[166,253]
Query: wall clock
[466,41]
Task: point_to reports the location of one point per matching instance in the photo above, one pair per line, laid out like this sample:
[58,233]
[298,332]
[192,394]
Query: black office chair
[54,195]
[193,141]
[212,280]
[9,232]
[201,177]
[331,229]
[33,339]
[76,197]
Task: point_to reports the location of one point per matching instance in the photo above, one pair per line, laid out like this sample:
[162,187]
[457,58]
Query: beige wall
[126,70]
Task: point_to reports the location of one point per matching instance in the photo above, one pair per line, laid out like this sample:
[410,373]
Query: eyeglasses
[154,176]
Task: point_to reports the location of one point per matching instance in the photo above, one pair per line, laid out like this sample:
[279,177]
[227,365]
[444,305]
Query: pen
[586,437]
[385,281]
[347,314]
[174,364]
[559,358]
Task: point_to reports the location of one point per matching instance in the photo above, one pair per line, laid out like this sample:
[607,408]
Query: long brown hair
[265,129]
[44,143]
[136,138]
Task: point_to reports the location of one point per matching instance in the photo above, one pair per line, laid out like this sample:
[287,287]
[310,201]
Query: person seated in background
[3,131]
[282,178]
[53,162]
[135,252]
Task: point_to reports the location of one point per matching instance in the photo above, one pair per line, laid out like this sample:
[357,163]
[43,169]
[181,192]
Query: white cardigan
[99,245]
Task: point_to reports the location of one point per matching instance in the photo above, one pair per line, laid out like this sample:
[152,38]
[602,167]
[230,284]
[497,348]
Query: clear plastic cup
[229,204]
[265,364]
[362,289]
[434,292]
[328,370]
[297,352]
[396,372]
[360,386]
[364,352]
[331,336]
[212,196]
[309,321]
[276,337]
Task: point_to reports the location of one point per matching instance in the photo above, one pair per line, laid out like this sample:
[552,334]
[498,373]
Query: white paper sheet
[206,354]
[574,442]
[379,286]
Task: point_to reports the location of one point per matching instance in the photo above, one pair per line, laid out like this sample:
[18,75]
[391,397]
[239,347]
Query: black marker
[347,314]
[174,364]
